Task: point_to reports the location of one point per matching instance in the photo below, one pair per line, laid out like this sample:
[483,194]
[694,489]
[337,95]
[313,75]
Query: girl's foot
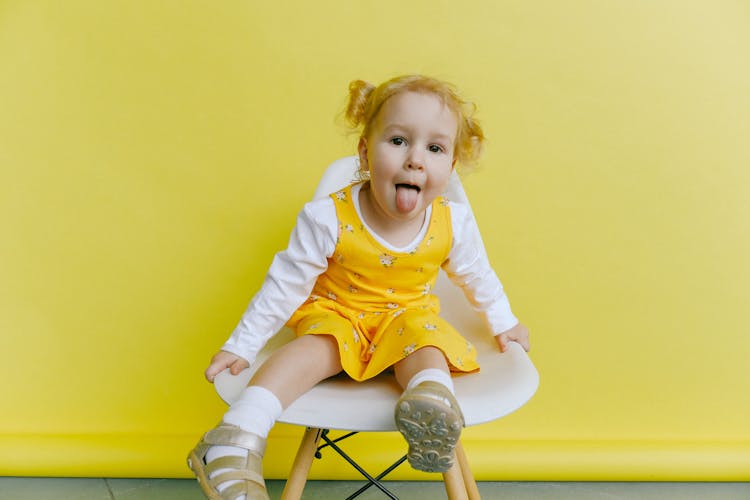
[430,419]
[243,475]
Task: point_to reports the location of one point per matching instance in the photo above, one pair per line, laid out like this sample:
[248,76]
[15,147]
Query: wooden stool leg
[469,482]
[454,483]
[302,463]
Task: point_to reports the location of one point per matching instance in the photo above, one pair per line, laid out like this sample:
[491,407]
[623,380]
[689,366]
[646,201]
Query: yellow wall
[153,156]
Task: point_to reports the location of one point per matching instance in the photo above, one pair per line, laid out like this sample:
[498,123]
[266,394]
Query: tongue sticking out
[406,197]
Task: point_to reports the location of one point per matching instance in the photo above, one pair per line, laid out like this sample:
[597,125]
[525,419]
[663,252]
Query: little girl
[355,283]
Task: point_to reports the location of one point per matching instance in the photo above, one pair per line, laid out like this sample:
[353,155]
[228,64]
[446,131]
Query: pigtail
[359,98]
[470,141]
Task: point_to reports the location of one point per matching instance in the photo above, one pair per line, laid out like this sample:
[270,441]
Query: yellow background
[154,155]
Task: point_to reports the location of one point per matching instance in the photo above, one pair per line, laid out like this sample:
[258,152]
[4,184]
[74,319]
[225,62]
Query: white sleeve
[469,268]
[289,281]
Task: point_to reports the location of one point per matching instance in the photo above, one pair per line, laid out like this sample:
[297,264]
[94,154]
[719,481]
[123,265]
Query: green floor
[13,488]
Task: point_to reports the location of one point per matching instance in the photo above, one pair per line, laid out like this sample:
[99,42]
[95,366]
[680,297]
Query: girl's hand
[518,333]
[223,360]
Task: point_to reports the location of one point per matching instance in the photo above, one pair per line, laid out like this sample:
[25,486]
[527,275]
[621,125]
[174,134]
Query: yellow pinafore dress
[377,303]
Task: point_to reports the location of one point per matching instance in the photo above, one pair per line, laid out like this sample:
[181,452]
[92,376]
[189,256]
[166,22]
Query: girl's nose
[415,161]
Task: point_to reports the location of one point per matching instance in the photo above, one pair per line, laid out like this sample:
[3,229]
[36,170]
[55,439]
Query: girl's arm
[289,281]
[469,268]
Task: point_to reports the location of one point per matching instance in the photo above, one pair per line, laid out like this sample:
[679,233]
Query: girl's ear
[362,149]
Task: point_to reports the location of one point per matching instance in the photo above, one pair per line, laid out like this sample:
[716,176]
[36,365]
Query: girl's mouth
[406,197]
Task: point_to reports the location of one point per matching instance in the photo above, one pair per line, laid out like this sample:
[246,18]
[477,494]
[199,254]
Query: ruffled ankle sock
[256,410]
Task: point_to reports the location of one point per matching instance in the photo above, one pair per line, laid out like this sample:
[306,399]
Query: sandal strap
[250,490]
[231,435]
[243,469]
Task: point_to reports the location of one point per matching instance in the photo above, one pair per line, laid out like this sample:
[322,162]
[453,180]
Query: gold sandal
[246,470]
[430,419]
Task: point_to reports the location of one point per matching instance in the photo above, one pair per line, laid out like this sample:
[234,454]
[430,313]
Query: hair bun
[359,97]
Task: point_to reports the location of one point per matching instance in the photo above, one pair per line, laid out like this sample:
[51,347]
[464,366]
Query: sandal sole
[432,429]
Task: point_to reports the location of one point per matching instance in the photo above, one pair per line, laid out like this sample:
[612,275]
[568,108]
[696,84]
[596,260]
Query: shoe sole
[432,429]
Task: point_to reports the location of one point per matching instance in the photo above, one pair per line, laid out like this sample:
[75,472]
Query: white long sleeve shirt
[293,273]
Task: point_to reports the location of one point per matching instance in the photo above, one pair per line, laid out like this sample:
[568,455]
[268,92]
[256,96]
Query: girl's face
[409,154]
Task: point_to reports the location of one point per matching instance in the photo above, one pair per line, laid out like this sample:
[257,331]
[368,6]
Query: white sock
[256,410]
[432,375]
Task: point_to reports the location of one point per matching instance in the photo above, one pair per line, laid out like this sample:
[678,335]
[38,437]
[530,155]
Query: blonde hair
[366,100]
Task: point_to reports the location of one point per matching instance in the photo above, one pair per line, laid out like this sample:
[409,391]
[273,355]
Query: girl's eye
[434,148]
[398,141]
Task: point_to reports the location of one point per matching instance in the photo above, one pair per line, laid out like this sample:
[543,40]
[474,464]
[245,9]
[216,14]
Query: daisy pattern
[409,349]
[398,313]
[353,289]
[355,334]
[332,296]
[400,331]
[444,202]
[349,228]
[387,260]
[312,327]
[390,290]
[427,289]
[372,348]
[430,327]
[346,346]
[340,195]
[391,305]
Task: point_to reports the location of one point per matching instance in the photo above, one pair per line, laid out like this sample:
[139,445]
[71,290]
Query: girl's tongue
[406,197]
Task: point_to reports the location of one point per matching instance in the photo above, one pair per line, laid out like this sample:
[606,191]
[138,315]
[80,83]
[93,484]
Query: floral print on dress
[409,349]
[312,327]
[387,260]
[372,285]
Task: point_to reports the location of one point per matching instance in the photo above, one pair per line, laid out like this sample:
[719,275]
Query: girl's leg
[425,364]
[291,371]
[427,414]
[298,366]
